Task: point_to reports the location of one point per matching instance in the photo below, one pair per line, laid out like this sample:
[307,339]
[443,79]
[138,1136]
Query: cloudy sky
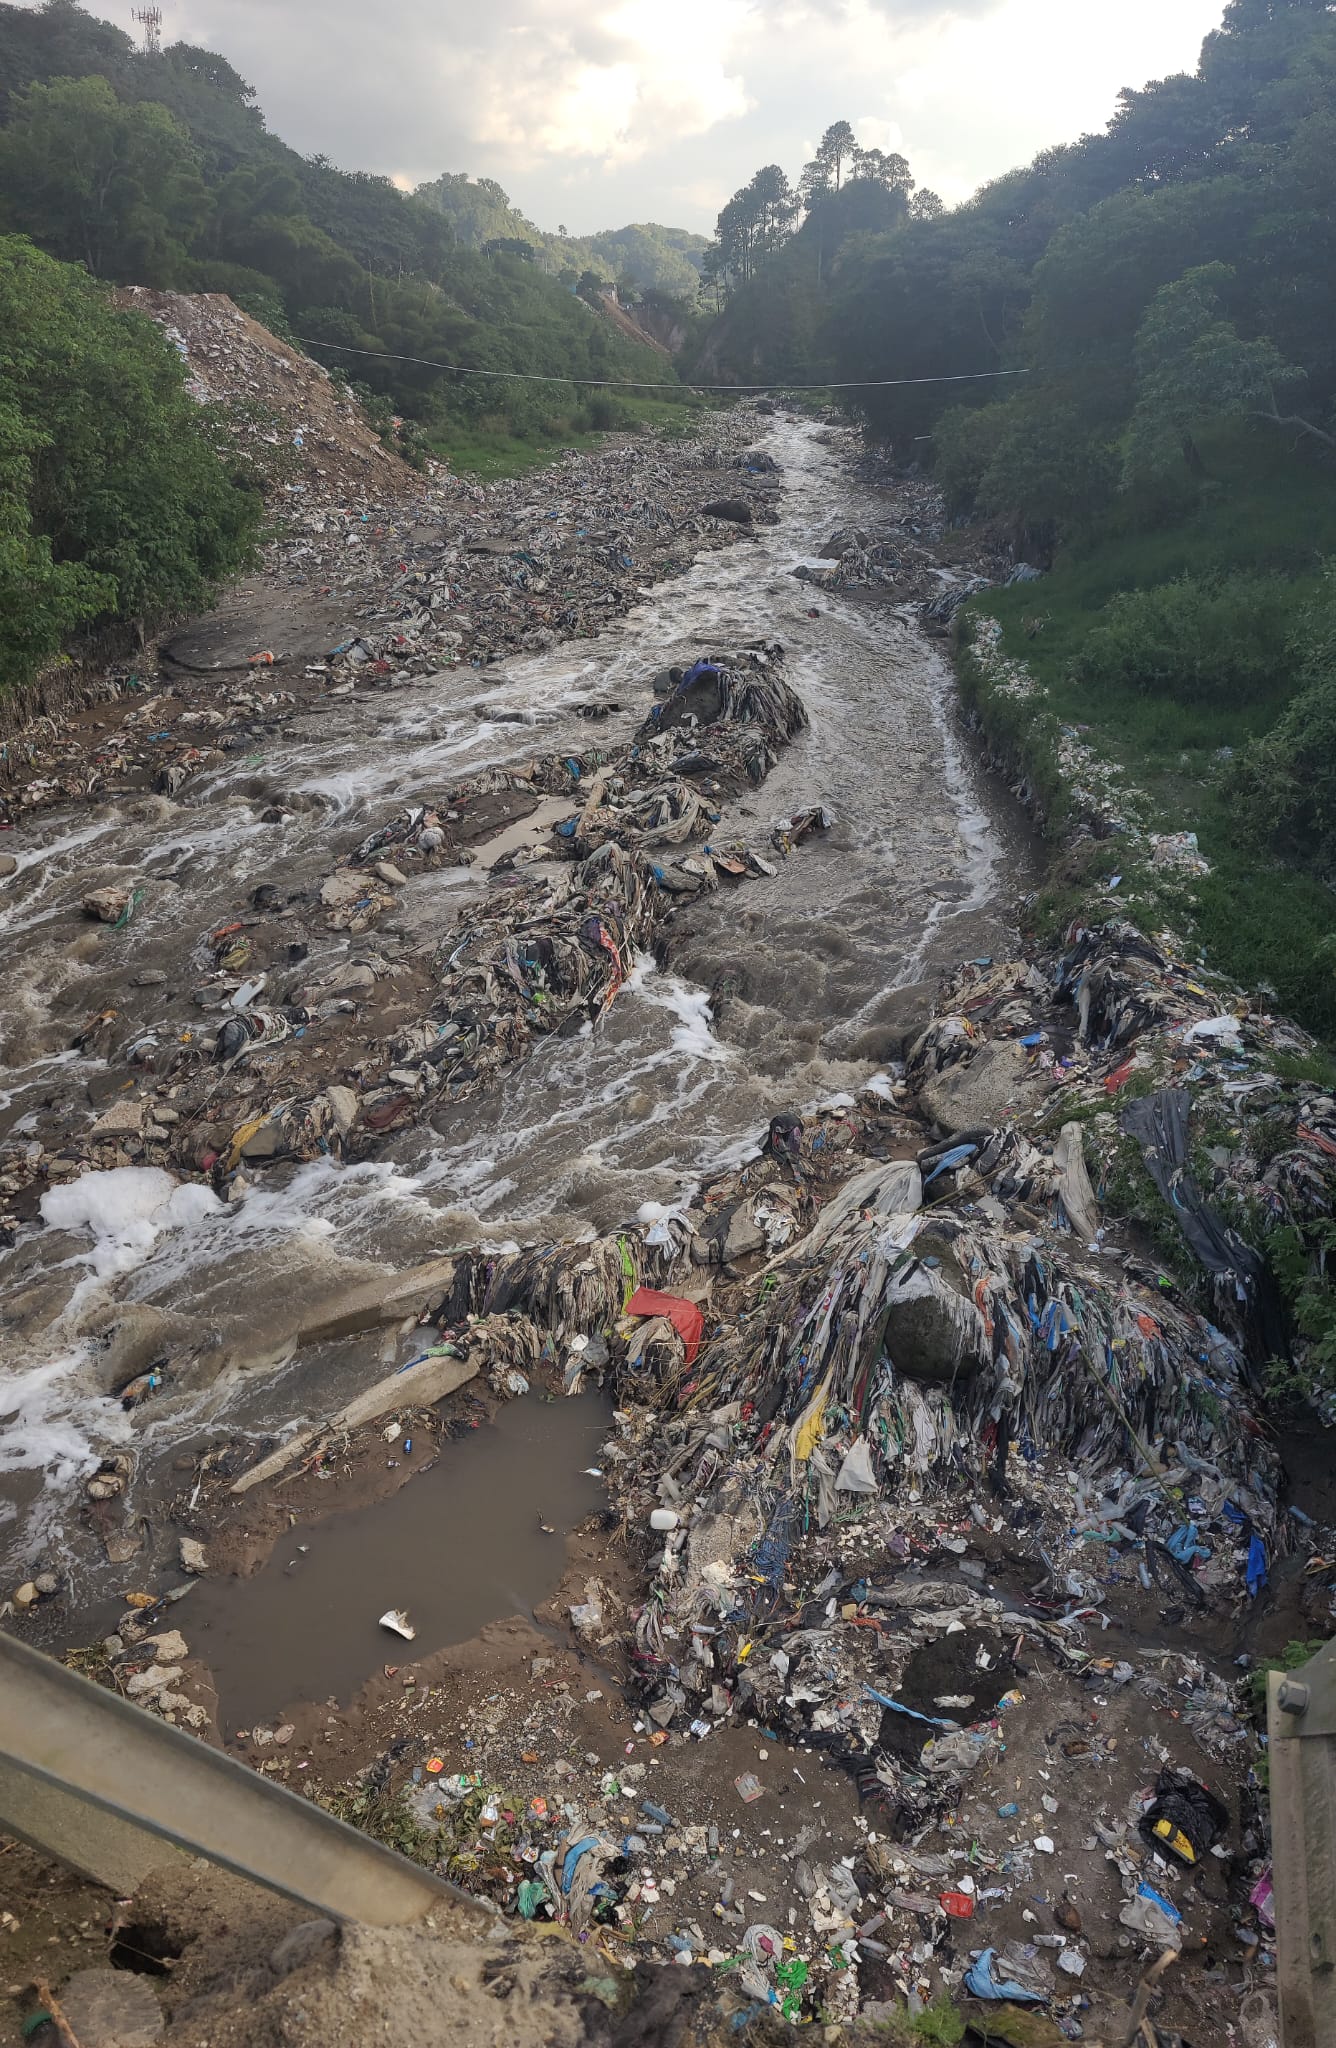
[597,112]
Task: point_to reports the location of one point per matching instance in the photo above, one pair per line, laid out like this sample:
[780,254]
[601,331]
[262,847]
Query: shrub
[1199,642]
[1284,784]
[965,441]
[113,504]
[603,412]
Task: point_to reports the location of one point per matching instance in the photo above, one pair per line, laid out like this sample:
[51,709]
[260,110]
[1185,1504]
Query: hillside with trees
[641,257]
[158,169]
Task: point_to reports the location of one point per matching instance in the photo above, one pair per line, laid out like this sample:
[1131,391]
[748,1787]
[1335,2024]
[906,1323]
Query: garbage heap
[619,835]
[905,1344]
[906,1423]
[902,560]
[896,1467]
[407,575]
[923,1315]
[463,572]
[855,558]
[558,948]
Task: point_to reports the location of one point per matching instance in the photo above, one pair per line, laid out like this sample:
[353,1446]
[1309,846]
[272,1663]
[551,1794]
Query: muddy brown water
[923,868]
[460,1545]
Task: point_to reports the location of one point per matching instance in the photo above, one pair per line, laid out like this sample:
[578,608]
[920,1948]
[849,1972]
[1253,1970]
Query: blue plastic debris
[574,1854]
[1258,1576]
[1184,1546]
[982,1982]
[897,1707]
[1146,1891]
[949,1161]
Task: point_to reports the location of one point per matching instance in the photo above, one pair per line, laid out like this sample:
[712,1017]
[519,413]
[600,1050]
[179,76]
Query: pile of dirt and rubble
[297,428]
[195,1958]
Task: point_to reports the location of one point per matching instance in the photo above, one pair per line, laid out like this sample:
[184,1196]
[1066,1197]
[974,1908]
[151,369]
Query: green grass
[498,454]
[491,450]
[1257,922]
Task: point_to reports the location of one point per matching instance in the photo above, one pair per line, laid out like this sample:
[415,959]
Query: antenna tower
[150,20]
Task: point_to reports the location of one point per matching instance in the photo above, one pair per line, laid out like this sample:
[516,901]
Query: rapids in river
[922,868]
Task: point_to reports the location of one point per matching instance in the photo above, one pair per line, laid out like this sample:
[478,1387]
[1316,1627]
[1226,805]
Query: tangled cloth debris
[572,904]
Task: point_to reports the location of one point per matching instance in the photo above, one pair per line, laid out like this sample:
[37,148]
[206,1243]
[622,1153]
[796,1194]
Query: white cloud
[874,131]
[637,109]
[660,74]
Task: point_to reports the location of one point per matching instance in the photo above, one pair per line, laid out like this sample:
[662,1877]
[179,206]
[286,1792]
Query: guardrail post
[1301,1731]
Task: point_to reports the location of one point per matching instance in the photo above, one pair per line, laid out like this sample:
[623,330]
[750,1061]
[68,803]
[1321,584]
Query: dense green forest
[158,169]
[639,258]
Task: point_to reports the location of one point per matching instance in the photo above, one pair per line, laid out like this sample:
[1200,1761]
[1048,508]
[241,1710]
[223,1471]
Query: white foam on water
[50,853]
[322,1202]
[54,1423]
[693,1034]
[124,1210]
[321,1196]
[32,1074]
[58,1424]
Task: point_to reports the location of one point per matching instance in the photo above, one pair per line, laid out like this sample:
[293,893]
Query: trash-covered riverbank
[941,1503]
[911,1665]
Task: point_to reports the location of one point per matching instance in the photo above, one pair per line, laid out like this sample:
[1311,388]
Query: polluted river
[546,1302]
[915,872]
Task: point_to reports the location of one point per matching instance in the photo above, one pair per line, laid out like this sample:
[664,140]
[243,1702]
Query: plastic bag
[856,1474]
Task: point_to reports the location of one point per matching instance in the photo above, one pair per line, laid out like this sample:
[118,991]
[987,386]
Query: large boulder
[995,1083]
[933,1331]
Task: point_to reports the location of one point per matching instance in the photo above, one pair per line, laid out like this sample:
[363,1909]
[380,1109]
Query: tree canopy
[157,168]
[113,502]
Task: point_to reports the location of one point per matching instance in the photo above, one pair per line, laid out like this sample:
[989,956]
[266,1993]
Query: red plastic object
[684,1315]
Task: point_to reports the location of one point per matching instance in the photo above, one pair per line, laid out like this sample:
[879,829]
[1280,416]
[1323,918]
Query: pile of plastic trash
[462,572]
[848,1381]
[560,945]
[856,1370]
[433,572]
[620,835]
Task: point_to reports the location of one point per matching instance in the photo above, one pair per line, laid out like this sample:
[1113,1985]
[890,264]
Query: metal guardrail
[1301,1731]
[111,1790]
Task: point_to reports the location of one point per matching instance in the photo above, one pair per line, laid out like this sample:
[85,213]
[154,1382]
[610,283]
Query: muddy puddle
[477,1537]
